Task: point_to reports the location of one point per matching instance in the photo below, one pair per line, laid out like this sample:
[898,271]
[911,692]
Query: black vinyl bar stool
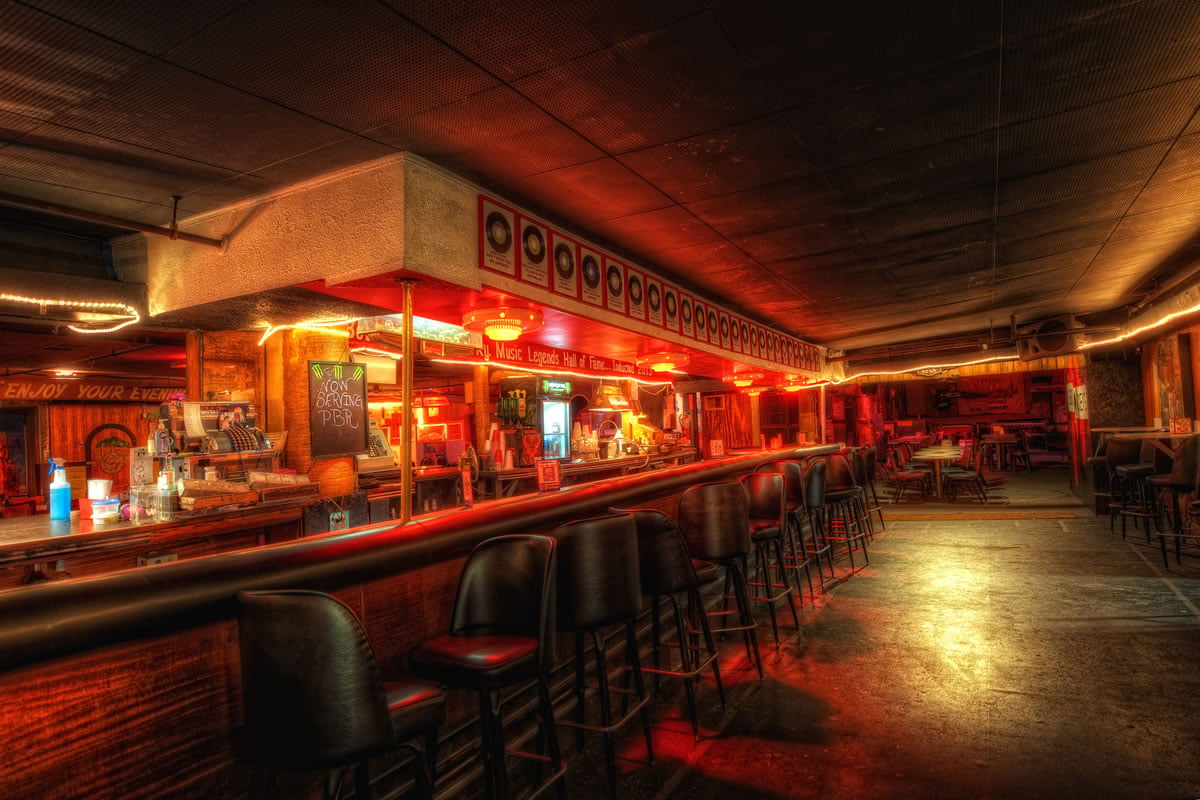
[668,570]
[1172,485]
[768,524]
[715,519]
[797,512]
[314,699]
[814,498]
[599,585]
[501,630]
[844,507]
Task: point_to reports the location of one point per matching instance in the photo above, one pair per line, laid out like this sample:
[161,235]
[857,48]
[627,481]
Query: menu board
[337,408]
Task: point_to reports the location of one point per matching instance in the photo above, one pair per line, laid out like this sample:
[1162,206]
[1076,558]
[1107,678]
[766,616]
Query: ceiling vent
[1050,337]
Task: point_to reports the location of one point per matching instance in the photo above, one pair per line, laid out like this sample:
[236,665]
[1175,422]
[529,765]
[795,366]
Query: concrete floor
[974,658]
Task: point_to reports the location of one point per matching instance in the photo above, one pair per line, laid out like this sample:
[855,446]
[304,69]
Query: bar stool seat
[484,661]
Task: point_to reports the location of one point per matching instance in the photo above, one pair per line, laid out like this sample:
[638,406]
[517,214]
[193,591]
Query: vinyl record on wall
[616,282]
[535,244]
[712,324]
[687,311]
[499,234]
[724,328]
[635,290]
[591,272]
[653,298]
[564,261]
[671,305]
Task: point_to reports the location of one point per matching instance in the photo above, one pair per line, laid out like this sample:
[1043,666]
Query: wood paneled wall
[69,425]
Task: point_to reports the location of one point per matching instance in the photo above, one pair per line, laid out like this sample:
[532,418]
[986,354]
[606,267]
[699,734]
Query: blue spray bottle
[60,491]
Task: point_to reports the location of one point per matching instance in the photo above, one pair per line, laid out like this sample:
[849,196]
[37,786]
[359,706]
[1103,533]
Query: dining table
[937,456]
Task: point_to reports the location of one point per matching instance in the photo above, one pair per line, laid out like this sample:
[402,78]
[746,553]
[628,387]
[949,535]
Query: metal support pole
[406,395]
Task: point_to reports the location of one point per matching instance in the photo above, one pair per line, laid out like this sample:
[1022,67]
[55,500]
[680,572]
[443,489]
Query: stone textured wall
[1114,390]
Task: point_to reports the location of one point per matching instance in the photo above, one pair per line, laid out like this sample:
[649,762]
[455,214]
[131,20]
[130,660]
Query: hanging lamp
[502,323]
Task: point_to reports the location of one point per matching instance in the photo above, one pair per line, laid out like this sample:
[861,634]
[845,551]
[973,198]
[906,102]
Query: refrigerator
[555,422]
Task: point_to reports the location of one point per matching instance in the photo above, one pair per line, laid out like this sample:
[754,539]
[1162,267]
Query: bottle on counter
[60,491]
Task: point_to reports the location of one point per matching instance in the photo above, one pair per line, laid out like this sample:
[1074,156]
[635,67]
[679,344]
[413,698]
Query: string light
[1148,327]
[314,326]
[131,315]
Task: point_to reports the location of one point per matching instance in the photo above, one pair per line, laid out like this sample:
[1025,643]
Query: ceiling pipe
[117,222]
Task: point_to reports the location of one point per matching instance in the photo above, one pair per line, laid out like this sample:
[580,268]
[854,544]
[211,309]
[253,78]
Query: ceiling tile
[595,190]
[142,24]
[515,40]
[770,207]
[722,162]
[666,85]
[1176,181]
[388,52]
[653,232]
[905,113]
[496,133]
[803,51]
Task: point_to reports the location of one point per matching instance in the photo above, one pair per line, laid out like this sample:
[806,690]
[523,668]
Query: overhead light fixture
[664,361]
[754,391]
[503,323]
[743,379]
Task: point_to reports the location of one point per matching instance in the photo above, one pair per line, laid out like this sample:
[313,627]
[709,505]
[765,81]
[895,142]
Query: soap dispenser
[60,491]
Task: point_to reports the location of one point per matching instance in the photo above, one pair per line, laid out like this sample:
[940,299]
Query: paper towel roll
[98,488]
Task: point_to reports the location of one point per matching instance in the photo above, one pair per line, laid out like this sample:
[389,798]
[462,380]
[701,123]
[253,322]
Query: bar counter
[37,547]
[127,684]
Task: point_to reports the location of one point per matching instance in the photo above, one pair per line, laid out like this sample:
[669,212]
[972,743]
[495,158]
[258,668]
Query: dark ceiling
[856,174]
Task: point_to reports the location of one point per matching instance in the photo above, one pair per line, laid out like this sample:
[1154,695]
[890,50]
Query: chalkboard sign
[337,408]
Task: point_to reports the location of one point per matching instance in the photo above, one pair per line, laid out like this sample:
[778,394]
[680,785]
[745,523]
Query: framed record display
[532,255]
[670,308]
[614,285]
[497,237]
[687,315]
[565,255]
[701,312]
[635,287]
[726,334]
[591,274]
[654,302]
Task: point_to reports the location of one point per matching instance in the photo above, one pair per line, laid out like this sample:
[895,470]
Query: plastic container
[107,510]
[60,494]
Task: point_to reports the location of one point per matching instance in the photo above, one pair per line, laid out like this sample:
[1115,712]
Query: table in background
[937,456]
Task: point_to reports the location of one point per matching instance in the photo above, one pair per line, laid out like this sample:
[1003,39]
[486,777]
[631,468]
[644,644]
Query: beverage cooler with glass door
[555,418]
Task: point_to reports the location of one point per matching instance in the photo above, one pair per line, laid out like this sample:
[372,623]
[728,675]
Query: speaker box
[1050,337]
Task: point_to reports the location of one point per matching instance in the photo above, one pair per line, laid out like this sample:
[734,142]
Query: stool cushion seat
[1097,459]
[762,529]
[414,707]
[706,571]
[1134,470]
[1170,482]
[476,662]
[838,494]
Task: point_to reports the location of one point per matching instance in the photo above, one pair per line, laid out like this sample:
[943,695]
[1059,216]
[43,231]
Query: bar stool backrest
[1146,452]
[814,486]
[858,468]
[599,577]
[1122,451]
[663,556]
[871,457]
[1164,458]
[715,519]
[312,694]
[793,478]
[840,474]
[506,588]
[764,491]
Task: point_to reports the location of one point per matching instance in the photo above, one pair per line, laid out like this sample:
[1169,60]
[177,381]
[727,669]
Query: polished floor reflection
[1037,656]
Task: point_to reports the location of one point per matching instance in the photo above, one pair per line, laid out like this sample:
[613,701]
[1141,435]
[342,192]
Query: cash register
[378,460]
